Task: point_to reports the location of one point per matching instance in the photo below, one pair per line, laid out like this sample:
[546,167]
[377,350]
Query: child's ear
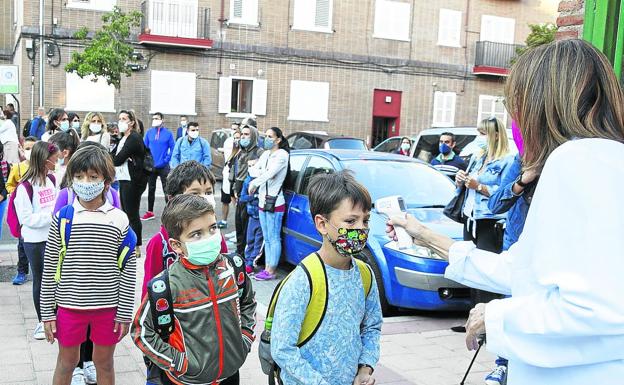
[321,225]
[177,246]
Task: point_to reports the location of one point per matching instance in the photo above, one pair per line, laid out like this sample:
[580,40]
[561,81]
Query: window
[491,106]
[177,18]
[244,12]
[240,96]
[173,92]
[443,109]
[449,28]
[93,5]
[497,29]
[309,101]
[82,94]
[296,164]
[313,15]
[304,142]
[392,20]
[316,165]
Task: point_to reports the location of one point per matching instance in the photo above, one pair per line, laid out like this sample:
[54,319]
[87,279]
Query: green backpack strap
[366,274]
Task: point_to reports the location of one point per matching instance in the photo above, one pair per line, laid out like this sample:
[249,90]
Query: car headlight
[415,251]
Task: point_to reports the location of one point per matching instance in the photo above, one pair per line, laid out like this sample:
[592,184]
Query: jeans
[151,192]
[130,195]
[254,240]
[3,206]
[241,220]
[271,230]
[22,259]
[35,253]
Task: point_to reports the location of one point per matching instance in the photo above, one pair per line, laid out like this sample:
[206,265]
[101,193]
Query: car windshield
[347,144]
[418,184]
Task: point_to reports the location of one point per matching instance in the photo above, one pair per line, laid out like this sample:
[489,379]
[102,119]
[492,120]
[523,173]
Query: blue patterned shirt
[348,335]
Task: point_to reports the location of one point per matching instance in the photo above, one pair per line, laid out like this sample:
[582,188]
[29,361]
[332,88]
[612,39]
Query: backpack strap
[64,222]
[126,248]
[161,304]
[366,274]
[314,268]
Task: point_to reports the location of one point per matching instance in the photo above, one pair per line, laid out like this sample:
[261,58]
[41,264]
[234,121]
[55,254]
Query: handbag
[454,208]
[270,200]
[148,161]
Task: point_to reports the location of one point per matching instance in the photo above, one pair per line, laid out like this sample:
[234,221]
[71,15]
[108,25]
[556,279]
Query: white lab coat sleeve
[479,269]
[567,307]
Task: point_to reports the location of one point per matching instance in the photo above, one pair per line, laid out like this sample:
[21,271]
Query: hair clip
[52,148]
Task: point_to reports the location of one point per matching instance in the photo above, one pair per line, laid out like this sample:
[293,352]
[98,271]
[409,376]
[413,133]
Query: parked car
[304,140]
[391,144]
[412,278]
[426,146]
[217,139]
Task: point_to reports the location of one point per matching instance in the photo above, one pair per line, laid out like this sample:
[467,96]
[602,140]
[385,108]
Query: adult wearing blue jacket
[38,124]
[191,147]
[159,140]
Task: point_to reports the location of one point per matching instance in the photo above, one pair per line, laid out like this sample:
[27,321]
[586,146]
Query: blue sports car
[412,278]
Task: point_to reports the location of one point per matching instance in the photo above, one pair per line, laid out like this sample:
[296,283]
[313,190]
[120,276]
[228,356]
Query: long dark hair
[133,119]
[55,115]
[283,145]
[37,169]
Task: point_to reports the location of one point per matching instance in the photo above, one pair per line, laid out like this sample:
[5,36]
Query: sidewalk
[435,357]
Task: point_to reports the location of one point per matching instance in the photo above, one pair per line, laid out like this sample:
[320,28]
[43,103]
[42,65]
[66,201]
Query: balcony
[178,23]
[494,58]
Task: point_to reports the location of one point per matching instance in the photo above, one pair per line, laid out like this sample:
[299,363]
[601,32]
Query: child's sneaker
[264,276]
[497,377]
[147,216]
[90,376]
[222,224]
[20,279]
[39,333]
[78,377]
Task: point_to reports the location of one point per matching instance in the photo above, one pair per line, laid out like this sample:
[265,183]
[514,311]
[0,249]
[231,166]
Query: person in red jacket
[188,178]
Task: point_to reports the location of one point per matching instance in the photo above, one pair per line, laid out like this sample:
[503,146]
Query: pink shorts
[72,324]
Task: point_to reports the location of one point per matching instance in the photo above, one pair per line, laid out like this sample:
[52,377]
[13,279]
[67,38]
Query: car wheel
[386,308]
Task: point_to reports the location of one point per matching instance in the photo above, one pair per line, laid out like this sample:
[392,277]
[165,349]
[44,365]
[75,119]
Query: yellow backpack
[314,268]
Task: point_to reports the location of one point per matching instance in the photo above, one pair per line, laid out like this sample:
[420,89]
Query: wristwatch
[366,366]
[480,188]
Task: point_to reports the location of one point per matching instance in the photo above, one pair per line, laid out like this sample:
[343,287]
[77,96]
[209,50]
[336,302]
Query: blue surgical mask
[205,251]
[88,191]
[268,143]
[245,142]
[445,148]
[65,125]
[75,125]
[481,142]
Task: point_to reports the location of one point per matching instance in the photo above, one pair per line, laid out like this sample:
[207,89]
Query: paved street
[417,347]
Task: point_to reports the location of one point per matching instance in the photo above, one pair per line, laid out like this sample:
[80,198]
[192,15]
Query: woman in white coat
[564,323]
[8,137]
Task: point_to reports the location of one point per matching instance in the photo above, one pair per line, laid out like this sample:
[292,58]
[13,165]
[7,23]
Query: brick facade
[570,20]
[350,59]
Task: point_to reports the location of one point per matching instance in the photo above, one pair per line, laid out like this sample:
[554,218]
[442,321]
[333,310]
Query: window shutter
[497,29]
[173,92]
[225,95]
[237,9]
[309,101]
[82,94]
[322,13]
[392,20]
[444,109]
[449,29]
[259,98]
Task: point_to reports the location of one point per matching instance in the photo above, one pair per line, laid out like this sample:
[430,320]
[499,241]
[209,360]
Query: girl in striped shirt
[92,291]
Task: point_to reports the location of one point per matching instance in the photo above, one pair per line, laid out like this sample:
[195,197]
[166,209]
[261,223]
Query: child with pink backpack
[30,214]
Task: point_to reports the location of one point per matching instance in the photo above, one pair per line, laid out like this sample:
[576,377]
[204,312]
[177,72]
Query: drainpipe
[221,21]
[41,48]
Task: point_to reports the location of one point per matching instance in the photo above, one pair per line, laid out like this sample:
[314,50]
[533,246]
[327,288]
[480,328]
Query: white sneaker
[78,377]
[89,372]
[39,333]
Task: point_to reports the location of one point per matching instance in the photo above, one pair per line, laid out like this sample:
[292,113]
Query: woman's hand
[472,183]
[413,227]
[49,327]
[460,178]
[475,326]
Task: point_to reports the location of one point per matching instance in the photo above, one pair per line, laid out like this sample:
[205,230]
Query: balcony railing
[494,58]
[175,23]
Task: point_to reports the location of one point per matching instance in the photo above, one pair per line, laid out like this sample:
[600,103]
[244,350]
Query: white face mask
[183,123]
[193,134]
[156,123]
[123,126]
[95,127]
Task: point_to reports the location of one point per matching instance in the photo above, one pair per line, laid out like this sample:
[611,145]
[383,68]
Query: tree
[540,34]
[108,51]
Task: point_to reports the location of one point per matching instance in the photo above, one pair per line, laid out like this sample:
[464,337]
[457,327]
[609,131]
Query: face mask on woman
[205,251]
[481,142]
[95,128]
[65,125]
[75,125]
[405,146]
[268,143]
[123,126]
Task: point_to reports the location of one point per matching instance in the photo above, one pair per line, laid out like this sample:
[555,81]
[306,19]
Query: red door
[386,115]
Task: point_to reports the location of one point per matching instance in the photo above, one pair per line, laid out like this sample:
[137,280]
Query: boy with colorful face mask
[345,347]
[214,317]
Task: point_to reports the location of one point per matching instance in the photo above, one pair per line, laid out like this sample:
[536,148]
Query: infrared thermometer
[395,206]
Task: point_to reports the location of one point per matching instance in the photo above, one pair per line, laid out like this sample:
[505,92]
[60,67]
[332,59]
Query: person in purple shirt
[159,140]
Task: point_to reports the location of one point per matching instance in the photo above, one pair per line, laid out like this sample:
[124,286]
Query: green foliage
[540,34]
[108,51]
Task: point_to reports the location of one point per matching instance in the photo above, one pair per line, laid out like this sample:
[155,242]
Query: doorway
[383,128]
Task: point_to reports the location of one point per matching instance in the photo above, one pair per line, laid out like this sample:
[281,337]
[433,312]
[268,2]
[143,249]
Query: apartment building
[367,68]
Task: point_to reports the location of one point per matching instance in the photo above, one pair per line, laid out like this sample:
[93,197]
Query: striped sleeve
[50,261]
[127,282]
